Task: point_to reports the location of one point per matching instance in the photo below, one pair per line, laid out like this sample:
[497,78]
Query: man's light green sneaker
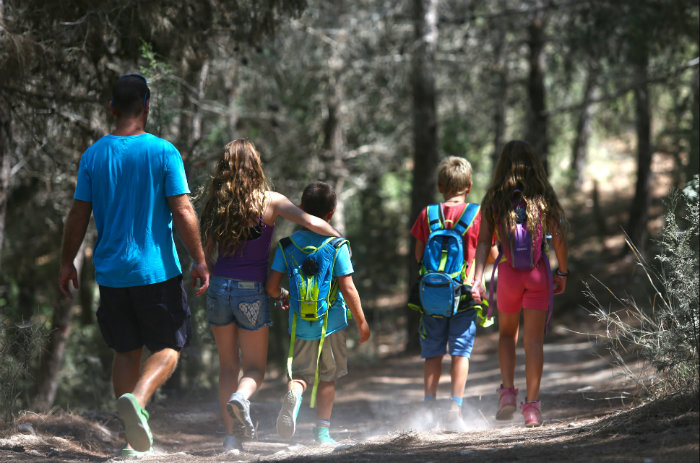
[322,435]
[135,420]
[131,454]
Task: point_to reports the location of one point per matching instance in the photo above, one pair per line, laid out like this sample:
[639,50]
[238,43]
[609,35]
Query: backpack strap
[466,219]
[435,219]
[290,353]
[550,279]
[283,244]
[493,274]
[314,389]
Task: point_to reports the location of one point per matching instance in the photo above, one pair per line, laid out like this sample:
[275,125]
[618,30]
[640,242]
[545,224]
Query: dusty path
[379,417]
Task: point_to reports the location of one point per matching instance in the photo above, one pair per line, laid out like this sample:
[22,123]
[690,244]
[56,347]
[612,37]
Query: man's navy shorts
[156,316]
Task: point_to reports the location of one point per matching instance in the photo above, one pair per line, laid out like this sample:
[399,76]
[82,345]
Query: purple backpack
[523,251]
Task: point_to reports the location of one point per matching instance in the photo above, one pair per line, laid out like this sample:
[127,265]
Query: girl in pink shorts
[520,174]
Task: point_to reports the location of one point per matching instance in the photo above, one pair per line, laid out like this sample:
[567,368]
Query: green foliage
[665,333]
[85,378]
[160,80]
[20,344]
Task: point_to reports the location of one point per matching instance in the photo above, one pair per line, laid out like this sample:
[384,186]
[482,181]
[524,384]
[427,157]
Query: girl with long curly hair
[520,178]
[237,222]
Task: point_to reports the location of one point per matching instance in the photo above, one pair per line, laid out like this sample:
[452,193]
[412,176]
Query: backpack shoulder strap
[337,242]
[435,221]
[283,244]
[467,218]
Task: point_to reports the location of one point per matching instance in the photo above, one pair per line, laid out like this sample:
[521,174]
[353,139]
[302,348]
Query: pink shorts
[518,289]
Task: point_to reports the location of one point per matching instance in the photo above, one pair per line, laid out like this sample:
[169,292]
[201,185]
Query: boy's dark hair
[318,199]
[129,95]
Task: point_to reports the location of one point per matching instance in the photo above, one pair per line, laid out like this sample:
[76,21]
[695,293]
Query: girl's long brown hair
[235,199]
[519,168]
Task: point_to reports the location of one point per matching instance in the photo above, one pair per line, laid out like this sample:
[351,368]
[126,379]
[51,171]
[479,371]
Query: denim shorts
[457,331]
[244,303]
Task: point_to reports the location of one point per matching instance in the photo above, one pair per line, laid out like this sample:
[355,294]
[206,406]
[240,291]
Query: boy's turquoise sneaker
[287,419]
[131,454]
[135,419]
[322,435]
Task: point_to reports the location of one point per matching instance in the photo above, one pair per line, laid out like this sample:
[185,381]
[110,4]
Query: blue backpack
[443,269]
[312,288]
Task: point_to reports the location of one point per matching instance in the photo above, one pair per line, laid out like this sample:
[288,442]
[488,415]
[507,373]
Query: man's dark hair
[129,95]
[318,199]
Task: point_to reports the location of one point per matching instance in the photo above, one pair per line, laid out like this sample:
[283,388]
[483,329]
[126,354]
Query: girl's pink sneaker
[507,398]
[531,412]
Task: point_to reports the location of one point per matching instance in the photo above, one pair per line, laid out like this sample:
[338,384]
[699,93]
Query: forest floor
[591,411]
[590,414]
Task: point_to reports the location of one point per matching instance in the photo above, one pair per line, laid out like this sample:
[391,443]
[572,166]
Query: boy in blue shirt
[318,199]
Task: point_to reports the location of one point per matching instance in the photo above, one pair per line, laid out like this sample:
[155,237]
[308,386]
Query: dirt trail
[378,416]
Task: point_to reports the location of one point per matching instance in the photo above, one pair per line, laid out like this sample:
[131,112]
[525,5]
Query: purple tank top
[250,261]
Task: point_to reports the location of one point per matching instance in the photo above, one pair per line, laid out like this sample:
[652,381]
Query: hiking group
[134,185]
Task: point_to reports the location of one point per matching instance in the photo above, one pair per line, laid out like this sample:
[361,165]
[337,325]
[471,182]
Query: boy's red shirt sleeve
[420,227]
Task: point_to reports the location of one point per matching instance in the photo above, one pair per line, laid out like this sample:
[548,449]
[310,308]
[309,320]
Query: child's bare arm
[352,299]
[420,248]
[493,255]
[274,289]
[281,205]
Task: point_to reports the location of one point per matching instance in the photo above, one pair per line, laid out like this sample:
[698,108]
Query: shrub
[20,344]
[664,332]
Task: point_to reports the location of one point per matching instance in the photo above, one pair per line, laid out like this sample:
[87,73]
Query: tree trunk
[500,98]
[537,115]
[425,136]
[693,166]
[190,126]
[334,147]
[87,289]
[52,357]
[579,150]
[5,168]
[639,211]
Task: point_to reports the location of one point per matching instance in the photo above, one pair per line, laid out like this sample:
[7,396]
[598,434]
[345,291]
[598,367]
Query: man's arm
[352,299]
[73,234]
[186,223]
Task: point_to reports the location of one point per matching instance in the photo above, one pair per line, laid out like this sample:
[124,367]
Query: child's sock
[428,398]
[457,400]
[323,423]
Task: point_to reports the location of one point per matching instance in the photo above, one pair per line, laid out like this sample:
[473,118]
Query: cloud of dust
[433,417]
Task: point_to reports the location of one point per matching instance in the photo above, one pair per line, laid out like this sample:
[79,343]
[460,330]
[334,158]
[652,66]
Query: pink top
[250,261]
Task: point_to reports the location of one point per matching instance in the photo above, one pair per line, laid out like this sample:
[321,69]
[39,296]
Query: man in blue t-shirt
[318,199]
[134,184]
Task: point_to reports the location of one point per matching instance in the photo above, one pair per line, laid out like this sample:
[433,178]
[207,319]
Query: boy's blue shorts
[457,331]
[244,303]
